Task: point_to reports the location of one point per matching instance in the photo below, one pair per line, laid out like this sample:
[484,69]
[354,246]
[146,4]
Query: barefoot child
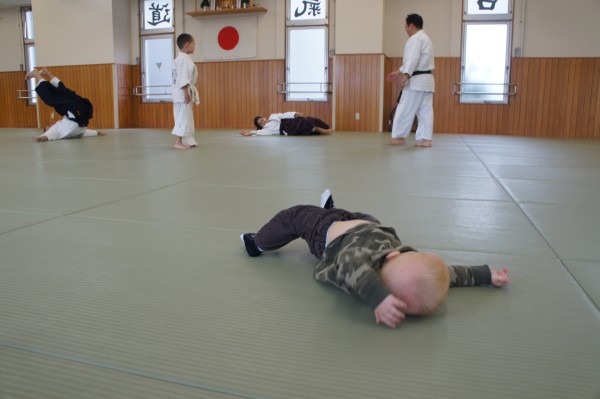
[185,93]
[363,258]
[76,110]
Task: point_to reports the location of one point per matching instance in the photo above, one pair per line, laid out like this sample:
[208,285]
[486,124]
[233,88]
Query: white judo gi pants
[68,129]
[419,103]
[184,123]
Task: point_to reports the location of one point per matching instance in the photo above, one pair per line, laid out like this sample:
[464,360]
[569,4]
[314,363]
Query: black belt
[415,73]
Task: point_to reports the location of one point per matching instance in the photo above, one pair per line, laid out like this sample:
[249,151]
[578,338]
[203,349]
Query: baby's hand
[245,133]
[390,311]
[500,277]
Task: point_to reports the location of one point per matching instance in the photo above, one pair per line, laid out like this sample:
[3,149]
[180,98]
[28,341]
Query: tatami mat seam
[526,215]
[129,371]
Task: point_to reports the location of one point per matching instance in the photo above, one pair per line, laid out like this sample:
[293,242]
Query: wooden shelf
[234,11]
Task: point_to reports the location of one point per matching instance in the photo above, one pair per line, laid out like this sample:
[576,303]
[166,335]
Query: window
[485,65]
[157,49]
[29,47]
[307,58]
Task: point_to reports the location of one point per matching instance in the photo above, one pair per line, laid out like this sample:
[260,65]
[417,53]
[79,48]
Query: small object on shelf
[205,5]
[225,4]
[245,3]
[215,11]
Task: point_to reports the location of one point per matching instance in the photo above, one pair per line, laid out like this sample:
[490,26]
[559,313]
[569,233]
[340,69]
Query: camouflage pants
[308,222]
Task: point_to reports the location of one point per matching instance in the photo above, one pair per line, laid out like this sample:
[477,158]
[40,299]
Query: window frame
[29,43]
[290,89]
[290,21]
[149,34]
[503,18]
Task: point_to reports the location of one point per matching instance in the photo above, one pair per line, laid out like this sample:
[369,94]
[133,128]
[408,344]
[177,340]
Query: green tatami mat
[122,274]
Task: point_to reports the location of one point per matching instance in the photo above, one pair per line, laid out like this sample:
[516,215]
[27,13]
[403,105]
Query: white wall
[557,28]
[359,26]
[106,31]
[542,28]
[73,32]
[441,21]
[121,31]
[11,40]
[270,35]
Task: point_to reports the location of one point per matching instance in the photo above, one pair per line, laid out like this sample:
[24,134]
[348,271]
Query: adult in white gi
[417,85]
[185,93]
[288,124]
[75,110]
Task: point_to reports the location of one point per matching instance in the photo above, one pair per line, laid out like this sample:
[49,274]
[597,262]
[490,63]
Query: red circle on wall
[228,38]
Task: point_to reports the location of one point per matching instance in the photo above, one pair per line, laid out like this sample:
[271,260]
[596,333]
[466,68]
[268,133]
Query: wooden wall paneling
[357,85]
[127,117]
[576,116]
[555,97]
[340,76]
[577,92]
[550,98]
[437,99]
[270,80]
[570,99]
[546,92]
[271,103]
[135,100]
[373,77]
[206,117]
[234,92]
[444,100]
[556,100]
[16,113]
[279,76]
[587,115]
[224,95]
[364,93]
[94,82]
[561,107]
[243,96]
[596,96]
[150,115]
[562,87]
[368,90]
[200,110]
[579,113]
[529,101]
[531,87]
[582,112]
[360,100]
[516,102]
[228,101]
[386,95]
[341,98]
[200,116]
[351,94]
[350,89]
[516,78]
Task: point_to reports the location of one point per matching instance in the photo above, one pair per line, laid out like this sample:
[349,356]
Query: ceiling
[14,3]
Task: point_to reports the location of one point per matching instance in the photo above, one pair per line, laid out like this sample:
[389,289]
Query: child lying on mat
[363,258]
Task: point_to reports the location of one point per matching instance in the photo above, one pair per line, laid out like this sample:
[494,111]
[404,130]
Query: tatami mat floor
[122,274]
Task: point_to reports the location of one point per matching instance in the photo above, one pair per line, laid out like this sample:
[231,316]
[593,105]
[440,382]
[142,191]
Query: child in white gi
[184,93]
